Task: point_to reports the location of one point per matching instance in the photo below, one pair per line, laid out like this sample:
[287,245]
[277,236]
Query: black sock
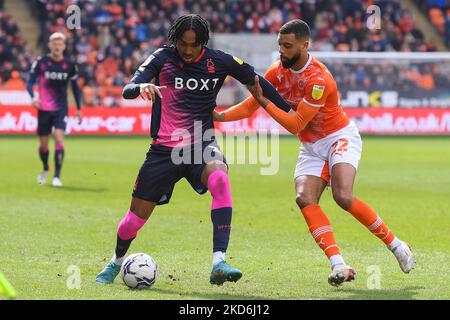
[43,154]
[221,219]
[122,246]
[59,157]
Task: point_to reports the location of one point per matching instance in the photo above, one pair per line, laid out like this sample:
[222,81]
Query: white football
[139,271]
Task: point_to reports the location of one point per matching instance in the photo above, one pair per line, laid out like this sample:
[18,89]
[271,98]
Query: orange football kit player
[330,150]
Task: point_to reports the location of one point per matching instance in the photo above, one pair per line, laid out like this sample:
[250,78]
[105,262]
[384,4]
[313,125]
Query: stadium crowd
[117,35]
[414,80]
[439,15]
[15,57]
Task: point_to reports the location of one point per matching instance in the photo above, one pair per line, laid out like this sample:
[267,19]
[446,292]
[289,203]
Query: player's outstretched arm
[147,91]
[246,74]
[143,75]
[272,94]
[131,91]
[247,107]
[294,123]
[237,112]
[140,83]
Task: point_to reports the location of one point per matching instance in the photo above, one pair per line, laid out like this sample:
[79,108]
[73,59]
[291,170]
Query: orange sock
[320,229]
[368,217]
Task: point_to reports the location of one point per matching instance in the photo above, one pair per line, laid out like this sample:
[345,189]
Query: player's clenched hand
[36,103]
[218,116]
[149,91]
[257,93]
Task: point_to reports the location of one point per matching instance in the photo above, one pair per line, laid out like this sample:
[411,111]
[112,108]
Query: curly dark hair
[187,22]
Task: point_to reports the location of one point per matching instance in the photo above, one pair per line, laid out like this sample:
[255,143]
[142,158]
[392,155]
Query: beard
[288,63]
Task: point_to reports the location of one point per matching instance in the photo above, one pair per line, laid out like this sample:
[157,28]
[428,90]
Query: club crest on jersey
[317,92]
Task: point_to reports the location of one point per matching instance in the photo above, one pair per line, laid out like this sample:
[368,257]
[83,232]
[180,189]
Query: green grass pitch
[45,230]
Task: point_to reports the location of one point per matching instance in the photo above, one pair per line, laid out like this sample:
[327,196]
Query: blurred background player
[331,145]
[188,76]
[53,71]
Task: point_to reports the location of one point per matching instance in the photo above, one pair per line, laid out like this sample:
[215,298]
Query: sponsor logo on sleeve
[317,92]
[238,60]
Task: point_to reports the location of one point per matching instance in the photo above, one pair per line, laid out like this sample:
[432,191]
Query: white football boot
[340,274]
[42,178]
[405,257]
[57,182]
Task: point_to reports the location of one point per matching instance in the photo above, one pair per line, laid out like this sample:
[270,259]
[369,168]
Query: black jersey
[191,92]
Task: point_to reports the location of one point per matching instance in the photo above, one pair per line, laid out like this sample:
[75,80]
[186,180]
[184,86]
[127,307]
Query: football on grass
[139,271]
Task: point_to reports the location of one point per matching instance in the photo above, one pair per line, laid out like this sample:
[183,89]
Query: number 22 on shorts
[340,147]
